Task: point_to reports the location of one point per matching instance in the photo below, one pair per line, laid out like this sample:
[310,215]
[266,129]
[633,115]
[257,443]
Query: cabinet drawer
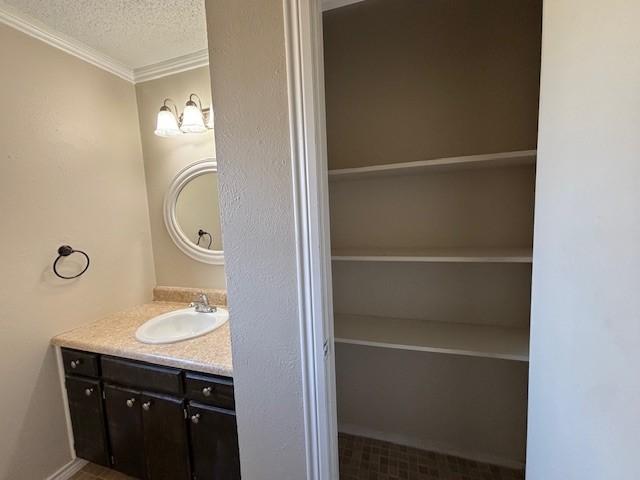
[142,376]
[210,389]
[80,363]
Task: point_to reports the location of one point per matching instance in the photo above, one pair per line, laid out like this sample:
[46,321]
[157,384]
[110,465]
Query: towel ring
[202,233]
[65,251]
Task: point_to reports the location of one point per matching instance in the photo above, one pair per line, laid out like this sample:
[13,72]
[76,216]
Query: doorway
[431,120]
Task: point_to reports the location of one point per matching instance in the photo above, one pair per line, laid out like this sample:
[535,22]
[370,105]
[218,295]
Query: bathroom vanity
[150,421]
[154,412]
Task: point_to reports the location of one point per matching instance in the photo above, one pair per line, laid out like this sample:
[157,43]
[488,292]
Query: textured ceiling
[134,32]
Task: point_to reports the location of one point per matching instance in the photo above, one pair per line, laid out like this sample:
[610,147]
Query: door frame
[305,78]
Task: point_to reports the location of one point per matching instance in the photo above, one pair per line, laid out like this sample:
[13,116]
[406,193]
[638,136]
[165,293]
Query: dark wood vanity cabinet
[124,423]
[214,443]
[152,422]
[87,419]
[165,438]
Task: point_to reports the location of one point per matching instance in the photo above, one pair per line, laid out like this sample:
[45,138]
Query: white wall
[249,84]
[71,171]
[584,416]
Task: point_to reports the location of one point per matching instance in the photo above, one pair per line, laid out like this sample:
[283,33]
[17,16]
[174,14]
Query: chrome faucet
[202,304]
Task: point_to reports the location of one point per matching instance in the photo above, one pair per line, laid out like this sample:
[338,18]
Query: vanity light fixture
[194,119]
[167,122]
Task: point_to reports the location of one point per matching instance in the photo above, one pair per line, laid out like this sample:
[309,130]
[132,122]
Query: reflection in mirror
[191,212]
[197,212]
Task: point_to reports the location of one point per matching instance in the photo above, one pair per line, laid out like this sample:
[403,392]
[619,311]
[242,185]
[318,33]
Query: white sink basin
[180,325]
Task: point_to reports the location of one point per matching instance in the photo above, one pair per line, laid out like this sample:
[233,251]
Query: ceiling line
[36,29]
[26,24]
[179,64]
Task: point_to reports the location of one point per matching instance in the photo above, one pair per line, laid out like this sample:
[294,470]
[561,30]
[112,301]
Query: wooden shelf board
[506,159]
[474,340]
[451,255]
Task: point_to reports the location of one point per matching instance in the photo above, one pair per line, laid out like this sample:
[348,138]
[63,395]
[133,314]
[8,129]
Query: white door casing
[305,74]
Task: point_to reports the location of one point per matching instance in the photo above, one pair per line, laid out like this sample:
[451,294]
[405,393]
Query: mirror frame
[182,241]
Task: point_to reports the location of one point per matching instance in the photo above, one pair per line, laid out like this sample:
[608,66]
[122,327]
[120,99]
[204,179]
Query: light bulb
[192,121]
[167,124]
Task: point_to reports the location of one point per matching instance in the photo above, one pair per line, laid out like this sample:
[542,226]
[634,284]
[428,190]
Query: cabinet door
[87,419]
[214,443]
[124,424]
[166,443]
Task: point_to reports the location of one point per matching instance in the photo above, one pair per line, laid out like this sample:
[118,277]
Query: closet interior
[432,109]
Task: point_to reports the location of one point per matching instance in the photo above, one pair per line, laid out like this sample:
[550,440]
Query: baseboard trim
[69,470]
[331,4]
[422,444]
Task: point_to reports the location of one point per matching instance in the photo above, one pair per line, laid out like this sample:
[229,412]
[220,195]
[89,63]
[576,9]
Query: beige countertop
[115,335]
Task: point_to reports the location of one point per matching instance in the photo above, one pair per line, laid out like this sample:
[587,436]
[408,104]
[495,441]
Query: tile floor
[96,472]
[368,459]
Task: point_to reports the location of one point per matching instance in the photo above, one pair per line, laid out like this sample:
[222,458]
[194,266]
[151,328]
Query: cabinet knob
[195,418]
[75,363]
[88,391]
[206,391]
[131,402]
[146,406]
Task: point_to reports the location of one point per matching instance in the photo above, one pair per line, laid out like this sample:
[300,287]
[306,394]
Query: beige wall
[472,407]
[71,171]
[163,158]
[468,72]
[490,207]
[483,293]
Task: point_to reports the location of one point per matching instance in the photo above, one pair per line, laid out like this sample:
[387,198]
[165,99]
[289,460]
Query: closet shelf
[450,255]
[506,159]
[489,341]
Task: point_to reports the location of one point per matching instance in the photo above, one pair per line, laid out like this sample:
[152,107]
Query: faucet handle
[202,304]
[203,298]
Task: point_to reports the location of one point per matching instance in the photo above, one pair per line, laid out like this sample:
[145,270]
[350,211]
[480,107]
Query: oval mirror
[191,212]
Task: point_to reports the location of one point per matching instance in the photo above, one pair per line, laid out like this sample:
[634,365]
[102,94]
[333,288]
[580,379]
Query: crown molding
[331,4]
[172,66]
[36,29]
